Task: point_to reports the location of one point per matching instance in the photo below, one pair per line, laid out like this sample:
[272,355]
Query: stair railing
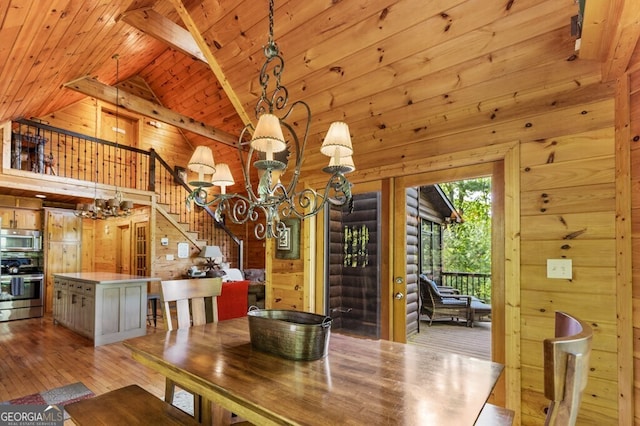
[41,148]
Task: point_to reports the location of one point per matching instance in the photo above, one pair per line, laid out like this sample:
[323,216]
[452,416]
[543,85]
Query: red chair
[232,302]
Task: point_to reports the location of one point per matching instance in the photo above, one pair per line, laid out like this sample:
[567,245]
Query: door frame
[502,161]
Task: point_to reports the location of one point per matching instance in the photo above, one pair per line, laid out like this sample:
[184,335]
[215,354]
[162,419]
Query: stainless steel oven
[21,296]
[21,285]
[20,240]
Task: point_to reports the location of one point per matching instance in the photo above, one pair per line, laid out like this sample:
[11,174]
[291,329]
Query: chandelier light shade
[275,147]
[268,137]
[343,163]
[222,177]
[337,142]
[202,163]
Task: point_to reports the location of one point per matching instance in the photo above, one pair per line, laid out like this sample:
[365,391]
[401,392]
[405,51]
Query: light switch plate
[169,257]
[164,241]
[559,268]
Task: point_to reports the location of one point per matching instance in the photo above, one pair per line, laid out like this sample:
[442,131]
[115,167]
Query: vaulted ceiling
[399,72]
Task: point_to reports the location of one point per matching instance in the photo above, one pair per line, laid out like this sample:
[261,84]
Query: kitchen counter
[103,306]
[105,277]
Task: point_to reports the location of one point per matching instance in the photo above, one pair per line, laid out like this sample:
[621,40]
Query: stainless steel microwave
[20,240]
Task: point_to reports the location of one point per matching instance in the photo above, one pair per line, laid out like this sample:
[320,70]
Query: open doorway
[451,234]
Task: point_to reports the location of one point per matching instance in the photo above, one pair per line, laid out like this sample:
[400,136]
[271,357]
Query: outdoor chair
[435,303]
[566,368]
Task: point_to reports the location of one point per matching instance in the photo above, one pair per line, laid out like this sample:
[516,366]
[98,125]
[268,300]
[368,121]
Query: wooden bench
[492,415]
[130,405]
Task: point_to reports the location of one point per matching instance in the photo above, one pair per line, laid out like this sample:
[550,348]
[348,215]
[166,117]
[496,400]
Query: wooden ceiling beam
[157,26]
[624,40]
[610,34]
[92,87]
[210,59]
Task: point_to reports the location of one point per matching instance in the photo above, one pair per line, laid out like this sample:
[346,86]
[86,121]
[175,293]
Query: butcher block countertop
[105,277]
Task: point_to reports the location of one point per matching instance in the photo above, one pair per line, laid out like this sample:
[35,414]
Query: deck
[451,336]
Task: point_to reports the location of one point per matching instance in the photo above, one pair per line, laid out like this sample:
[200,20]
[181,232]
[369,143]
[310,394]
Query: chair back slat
[198,313]
[189,297]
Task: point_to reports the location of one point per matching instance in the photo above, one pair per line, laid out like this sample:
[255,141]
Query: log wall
[413,260]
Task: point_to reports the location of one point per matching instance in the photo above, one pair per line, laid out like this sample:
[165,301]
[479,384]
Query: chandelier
[113,207]
[272,154]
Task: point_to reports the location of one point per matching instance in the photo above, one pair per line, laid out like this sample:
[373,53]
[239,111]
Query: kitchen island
[103,306]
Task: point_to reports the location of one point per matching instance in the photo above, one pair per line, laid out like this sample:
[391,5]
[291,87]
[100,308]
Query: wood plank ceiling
[399,72]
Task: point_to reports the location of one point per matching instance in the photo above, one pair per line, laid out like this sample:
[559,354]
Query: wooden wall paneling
[571,226]
[583,252]
[559,221]
[589,279]
[396,160]
[590,171]
[598,142]
[171,269]
[554,201]
[287,289]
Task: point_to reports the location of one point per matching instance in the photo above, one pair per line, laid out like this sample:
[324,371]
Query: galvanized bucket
[300,336]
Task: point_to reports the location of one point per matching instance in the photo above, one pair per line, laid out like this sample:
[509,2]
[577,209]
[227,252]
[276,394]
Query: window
[431,248]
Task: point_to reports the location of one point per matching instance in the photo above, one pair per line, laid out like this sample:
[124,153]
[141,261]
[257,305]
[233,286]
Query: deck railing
[45,149]
[478,285]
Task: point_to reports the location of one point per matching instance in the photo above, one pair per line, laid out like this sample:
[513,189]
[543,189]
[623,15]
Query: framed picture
[181,175]
[288,245]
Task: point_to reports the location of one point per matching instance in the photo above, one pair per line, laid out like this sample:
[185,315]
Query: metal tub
[295,335]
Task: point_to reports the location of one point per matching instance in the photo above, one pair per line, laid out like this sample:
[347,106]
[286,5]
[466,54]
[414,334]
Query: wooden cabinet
[73,306]
[104,307]
[21,218]
[62,248]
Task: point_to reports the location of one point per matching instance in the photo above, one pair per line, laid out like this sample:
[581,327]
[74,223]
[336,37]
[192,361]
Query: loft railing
[41,148]
[473,284]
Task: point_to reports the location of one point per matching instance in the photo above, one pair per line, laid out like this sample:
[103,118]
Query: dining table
[359,382]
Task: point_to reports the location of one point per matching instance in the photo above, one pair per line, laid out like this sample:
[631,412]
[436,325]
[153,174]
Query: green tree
[467,246]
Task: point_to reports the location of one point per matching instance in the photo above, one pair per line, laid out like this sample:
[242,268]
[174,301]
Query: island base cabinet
[120,312]
[105,313]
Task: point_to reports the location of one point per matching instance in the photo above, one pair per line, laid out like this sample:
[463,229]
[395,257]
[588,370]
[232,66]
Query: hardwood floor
[449,336]
[36,355]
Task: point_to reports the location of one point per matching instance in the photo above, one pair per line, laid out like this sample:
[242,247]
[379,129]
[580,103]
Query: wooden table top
[360,381]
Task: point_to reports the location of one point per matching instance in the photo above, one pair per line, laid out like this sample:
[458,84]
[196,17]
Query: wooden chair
[436,303]
[566,368]
[130,405]
[195,304]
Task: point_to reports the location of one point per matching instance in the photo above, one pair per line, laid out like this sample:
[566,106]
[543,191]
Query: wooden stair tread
[128,405]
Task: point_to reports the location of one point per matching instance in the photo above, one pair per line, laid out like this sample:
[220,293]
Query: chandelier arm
[308,202]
